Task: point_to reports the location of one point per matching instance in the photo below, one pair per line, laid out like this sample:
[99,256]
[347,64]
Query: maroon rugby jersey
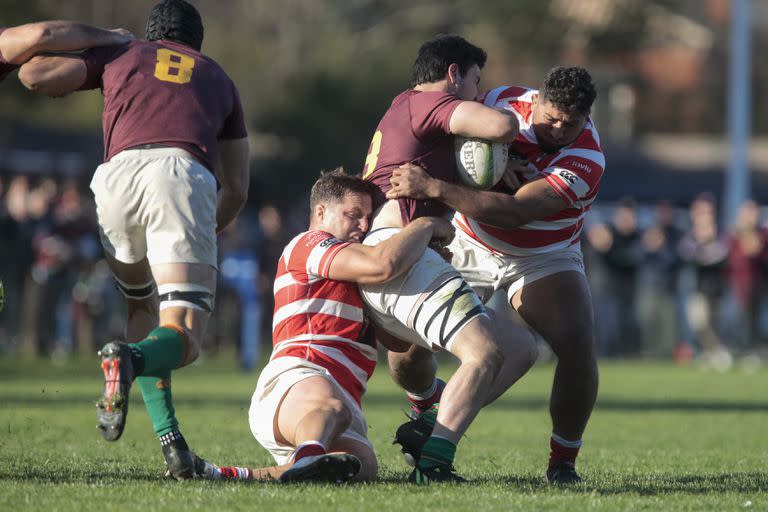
[414,129]
[5,66]
[164,92]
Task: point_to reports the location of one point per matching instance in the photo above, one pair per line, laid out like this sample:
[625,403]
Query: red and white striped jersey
[319,319]
[574,172]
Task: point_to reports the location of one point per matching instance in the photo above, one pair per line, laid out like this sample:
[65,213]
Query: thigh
[180,211]
[301,398]
[479,267]
[138,273]
[559,308]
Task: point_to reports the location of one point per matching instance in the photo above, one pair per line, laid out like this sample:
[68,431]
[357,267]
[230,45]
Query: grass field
[661,438]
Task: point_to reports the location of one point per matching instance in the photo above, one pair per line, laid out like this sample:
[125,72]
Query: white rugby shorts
[274,382]
[159,203]
[426,306]
[487,271]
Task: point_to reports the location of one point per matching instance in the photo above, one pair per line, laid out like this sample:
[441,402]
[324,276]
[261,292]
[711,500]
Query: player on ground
[173,127]
[307,403]
[19,44]
[525,241]
[431,306]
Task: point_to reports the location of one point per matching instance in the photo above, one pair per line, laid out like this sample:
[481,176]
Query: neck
[441,86]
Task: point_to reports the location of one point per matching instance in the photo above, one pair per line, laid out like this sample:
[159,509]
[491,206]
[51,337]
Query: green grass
[661,438]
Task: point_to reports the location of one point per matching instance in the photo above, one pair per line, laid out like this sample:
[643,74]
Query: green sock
[437,451]
[163,349]
[159,402]
[430,415]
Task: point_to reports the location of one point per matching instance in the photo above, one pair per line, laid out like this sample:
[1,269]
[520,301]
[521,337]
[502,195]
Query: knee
[340,412]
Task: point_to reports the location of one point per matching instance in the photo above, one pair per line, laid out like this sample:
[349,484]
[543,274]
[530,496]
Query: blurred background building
[672,276]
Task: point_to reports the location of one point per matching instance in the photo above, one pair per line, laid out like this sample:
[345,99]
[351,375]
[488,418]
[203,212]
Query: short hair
[570,89]
[333,185]
[441,51]
[176,20]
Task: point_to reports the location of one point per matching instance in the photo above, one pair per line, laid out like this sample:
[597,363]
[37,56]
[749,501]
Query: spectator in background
[657,284]
[704,252]
[239,278]
[619,247]
[747,262]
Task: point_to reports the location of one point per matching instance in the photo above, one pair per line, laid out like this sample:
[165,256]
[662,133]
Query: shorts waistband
[153,151]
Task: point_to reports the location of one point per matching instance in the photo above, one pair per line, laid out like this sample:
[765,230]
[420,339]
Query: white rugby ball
[480,163]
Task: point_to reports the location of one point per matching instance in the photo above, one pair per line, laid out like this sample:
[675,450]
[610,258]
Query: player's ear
[454,74]
[320,211]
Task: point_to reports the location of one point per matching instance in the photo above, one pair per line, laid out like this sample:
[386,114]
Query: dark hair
[333,185]
[176,20]
[441,51]
[569,89]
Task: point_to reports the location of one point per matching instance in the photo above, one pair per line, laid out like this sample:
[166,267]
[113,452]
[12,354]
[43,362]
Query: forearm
[229,206]
[19,44]
[492,208]
[403,250]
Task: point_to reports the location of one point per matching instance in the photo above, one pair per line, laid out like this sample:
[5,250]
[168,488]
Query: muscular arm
[371,265]
[53,75]
[533,201]
[19,44]
[233,177]
[473,119]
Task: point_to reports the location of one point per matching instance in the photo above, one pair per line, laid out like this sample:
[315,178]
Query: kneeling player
[306,407]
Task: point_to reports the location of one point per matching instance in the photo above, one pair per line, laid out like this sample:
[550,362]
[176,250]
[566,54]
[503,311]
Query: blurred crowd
[668,281]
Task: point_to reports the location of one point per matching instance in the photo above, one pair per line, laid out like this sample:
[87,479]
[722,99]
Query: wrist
[435,189]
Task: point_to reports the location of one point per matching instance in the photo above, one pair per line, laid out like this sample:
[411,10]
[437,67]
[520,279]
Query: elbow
[505,128]
[386,270]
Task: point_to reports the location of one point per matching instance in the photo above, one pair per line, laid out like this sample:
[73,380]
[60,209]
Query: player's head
[341,205]
[452,58]
[563,106]
[176,20]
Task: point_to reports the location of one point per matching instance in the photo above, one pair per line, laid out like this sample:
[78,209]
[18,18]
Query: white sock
[564,442]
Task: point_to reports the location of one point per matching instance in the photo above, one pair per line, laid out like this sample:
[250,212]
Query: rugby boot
[563,473]
[112,407]
[180,464]
[443,473]
[330,467]
[412,435]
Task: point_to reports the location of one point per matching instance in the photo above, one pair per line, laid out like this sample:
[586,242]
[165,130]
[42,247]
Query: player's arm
[370,265]
[534,200]
[54,75]
[473,119]
[233,177]
[19,44]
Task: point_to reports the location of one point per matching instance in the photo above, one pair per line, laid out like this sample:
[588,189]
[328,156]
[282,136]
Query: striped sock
[423,401]
[563,451]
[308,449]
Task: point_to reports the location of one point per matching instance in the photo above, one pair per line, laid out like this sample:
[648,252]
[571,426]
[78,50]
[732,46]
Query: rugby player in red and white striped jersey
[307,401]
[522,237]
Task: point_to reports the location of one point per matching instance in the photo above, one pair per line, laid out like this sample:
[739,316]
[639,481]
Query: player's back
[414,129]
[163,92]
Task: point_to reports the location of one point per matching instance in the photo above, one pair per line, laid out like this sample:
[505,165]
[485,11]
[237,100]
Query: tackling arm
[473,119]
[371,265]
[19,44]
[233,177]
[534,200]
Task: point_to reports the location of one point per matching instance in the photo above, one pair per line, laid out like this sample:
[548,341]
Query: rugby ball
[480,163]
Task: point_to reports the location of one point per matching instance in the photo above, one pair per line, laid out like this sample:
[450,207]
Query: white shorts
[274,382]
[426,306]
[486,271]
[159,203]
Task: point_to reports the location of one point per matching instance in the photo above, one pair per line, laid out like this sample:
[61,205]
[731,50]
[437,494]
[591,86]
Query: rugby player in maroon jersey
[175,173]
[522,239]
[431,306]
